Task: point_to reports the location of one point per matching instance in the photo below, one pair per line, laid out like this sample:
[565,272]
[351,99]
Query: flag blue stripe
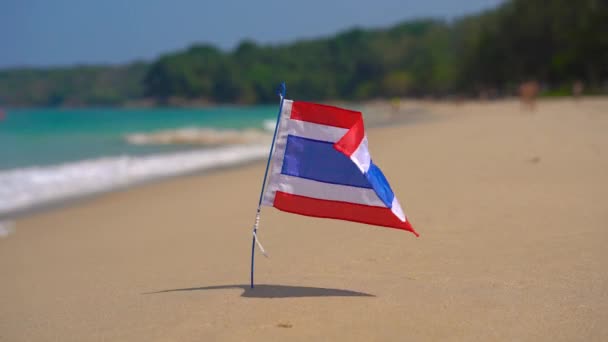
[380,185]
[320,161]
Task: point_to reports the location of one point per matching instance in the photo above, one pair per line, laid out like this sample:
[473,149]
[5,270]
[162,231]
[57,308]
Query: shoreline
[376,119]
[411,113]
[76,199]
[334,102]
[70,198]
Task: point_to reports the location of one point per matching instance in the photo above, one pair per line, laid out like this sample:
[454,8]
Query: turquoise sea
[37,137]
[54,154]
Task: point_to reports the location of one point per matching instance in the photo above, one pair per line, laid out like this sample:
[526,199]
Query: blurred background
[100,94]
[112,53]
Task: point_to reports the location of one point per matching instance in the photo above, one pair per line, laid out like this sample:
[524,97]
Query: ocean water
[53,154]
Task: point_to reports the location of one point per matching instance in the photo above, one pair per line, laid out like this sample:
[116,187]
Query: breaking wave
[24,188]
[202,136]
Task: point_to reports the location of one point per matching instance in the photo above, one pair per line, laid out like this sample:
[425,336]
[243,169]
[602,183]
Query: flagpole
[282,91]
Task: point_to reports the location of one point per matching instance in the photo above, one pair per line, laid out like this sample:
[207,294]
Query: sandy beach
[511,205]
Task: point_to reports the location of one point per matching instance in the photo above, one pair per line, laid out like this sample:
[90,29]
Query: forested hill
[555,42]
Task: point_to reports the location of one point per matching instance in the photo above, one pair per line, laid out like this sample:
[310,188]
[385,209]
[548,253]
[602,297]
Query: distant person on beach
[577,89]
[528,92]
[395,105]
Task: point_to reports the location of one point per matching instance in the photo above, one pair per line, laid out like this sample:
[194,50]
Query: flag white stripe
[276,160]
[361,156]
[315,131]
[396,209]
[324,191]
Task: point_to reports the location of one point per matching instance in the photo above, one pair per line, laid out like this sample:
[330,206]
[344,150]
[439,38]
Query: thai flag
[321,167]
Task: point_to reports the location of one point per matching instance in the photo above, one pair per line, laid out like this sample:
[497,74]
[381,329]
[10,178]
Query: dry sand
[512,207]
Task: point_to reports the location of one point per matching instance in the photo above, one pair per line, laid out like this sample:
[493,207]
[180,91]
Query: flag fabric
[321,167]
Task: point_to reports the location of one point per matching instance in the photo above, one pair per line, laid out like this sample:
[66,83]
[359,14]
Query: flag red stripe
[324,114]
[349,143]
[333,116]
[339,210]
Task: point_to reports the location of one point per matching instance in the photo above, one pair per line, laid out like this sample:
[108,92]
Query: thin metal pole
[282,92]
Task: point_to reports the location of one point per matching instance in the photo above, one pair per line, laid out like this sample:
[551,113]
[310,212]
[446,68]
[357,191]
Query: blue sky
[64,32]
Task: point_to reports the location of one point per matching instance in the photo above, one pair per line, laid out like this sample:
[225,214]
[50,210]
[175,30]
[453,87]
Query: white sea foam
[200,136]
[269,125]
[24,188]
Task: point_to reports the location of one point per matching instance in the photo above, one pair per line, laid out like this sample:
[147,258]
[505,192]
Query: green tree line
[554,42]
[72,86]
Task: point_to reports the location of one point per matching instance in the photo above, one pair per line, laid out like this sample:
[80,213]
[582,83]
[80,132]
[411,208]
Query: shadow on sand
[276,291]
